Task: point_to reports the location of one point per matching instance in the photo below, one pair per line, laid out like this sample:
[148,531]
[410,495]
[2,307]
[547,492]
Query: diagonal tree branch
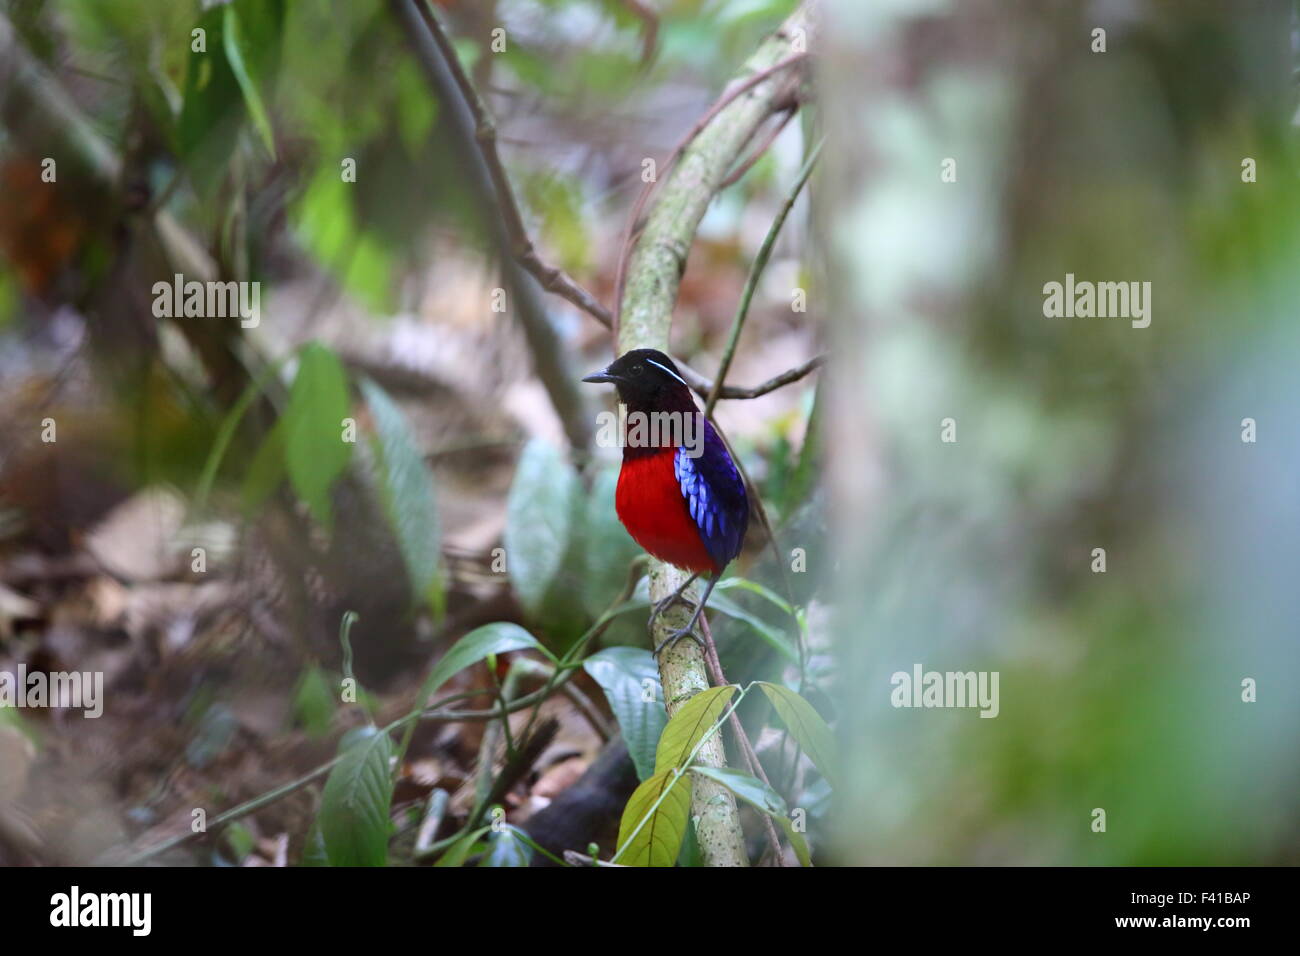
[497,210]
[552,278]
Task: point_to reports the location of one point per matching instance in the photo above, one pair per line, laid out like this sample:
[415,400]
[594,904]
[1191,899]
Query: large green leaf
[313,851]
[657,840]
[330,228]
[235,44]
[749,788]
[622,673]
[695,719]
[315,451]
[540,512]
[473,647]
[772,635]
[241,65]
[409,496]
[224,84]
[807,728]
[212,108]
[753,587]
[354,806]
[762,797]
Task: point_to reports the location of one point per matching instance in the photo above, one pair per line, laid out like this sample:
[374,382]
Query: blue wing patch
[715,496]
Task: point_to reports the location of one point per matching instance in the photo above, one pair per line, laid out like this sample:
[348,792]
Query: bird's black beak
[602,376]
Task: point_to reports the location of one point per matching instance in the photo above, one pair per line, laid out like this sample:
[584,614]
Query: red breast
[651,506]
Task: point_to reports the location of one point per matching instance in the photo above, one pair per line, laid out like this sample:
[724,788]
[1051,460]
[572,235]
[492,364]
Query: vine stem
[756,273]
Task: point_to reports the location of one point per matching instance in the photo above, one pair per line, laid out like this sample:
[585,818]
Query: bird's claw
[663,604]
[676,597]
[672,639]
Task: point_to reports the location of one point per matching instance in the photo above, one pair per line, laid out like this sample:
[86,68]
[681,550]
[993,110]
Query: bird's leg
[688,630]
[676,597]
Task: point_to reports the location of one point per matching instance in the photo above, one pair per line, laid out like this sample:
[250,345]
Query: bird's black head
[647,379]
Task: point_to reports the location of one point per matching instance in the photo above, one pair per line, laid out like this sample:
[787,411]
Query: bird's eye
[637,369]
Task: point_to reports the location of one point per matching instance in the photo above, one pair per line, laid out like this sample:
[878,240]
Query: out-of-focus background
[1161,149]
[233,521]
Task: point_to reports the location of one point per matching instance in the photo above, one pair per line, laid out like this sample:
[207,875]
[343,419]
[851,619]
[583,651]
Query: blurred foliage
[1119,690]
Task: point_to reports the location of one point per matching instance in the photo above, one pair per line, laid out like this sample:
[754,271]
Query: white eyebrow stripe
[668,370]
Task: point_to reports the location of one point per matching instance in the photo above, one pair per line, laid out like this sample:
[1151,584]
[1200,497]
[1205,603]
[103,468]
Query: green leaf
[329,226]
[473,647]
[408,492]
[762,797]
[753,587]
[234,43]
[696,718]
[314,702]
[226,432]
[354,806]
[540,511]
[459,850]
[506,849]
[622,673]
[797,840]
[313,851]
[773,636]
[212,108]
[689,855]
[266,470]
[657,840]
[807,728]
[315,451]
[808,469]
[749,788]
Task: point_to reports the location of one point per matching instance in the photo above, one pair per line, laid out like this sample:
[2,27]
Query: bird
[679,494]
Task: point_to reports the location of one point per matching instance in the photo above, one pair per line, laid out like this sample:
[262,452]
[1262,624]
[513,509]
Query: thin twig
[587,707]
[551,278]
[703,386]
[457,120]
[756,273]
[649,29]
[487,781]
[759,150]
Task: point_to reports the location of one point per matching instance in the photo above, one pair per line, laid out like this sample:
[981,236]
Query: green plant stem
[756,273]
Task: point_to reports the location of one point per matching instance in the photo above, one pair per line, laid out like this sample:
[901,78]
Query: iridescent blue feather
[715,496]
